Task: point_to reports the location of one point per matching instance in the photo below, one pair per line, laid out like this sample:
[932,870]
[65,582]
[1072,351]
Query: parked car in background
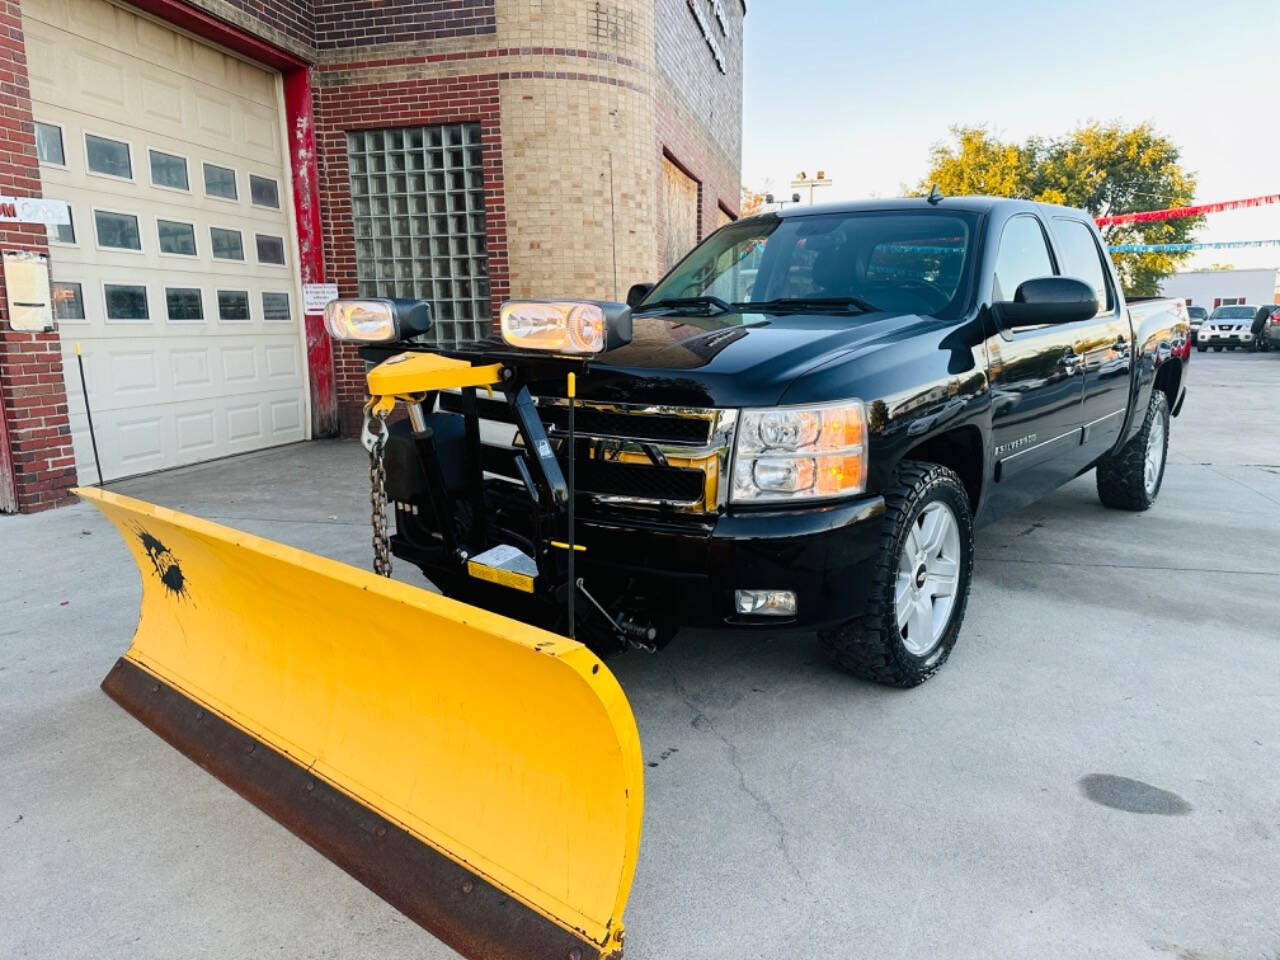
[1197,316]
[1260,320]
[1228,327]
[1271,329]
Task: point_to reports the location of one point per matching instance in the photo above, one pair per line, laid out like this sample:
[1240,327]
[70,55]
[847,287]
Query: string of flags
[1180,247]
[1175,213]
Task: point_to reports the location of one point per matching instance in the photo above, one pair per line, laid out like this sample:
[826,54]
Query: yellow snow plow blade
[481,775]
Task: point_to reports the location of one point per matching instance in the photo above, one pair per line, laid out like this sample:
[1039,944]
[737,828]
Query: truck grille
[619,443]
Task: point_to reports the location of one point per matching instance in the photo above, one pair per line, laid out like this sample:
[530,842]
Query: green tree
[1106,169]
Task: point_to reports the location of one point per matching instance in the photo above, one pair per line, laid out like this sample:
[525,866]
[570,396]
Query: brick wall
[358,23]
[289,24]
[699,108]
[342,106]
[31,391]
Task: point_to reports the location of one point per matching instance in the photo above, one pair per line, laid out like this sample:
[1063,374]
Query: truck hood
[731,360]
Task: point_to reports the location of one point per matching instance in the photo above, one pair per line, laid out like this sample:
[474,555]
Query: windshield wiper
[801,303]
[676,303]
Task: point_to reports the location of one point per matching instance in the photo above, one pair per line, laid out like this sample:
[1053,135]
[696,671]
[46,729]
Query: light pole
[802,180]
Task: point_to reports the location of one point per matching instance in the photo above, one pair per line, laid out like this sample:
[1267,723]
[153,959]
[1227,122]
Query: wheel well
[1169,378]
[959,449]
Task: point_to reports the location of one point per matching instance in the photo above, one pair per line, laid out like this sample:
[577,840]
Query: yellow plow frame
[483,776]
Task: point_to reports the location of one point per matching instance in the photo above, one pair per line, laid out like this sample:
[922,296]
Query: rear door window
[1082,259]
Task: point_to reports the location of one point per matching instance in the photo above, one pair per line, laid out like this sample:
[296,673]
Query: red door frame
[8,487]
[300,124]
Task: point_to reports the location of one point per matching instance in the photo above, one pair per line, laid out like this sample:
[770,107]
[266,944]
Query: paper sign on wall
[316,295]
[34,210]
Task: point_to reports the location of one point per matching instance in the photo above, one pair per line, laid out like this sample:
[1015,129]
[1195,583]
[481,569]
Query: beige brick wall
[577,147]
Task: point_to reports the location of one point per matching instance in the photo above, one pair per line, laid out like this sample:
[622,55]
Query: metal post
[84,387]
[573,582]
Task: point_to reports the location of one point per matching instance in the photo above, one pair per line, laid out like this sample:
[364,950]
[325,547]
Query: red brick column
[32,394]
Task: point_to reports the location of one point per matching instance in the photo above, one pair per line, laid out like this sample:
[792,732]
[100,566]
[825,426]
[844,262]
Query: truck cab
[811,414]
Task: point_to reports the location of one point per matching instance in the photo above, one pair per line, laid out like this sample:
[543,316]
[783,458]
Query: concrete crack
[702,722]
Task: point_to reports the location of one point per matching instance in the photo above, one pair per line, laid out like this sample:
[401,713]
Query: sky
[862,90]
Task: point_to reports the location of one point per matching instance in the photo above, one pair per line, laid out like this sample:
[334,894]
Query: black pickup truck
[809,416]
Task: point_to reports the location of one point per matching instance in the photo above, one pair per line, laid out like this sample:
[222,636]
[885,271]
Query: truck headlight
[565,326]
[800,453]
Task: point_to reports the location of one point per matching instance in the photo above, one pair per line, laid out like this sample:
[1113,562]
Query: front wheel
[919,583]
[1130,478]
[1217,349]
[1202,349]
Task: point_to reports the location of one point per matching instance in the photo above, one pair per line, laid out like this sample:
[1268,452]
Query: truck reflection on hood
[681,343]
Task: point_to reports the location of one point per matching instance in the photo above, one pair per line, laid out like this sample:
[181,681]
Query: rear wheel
[919,585]
[1130,478]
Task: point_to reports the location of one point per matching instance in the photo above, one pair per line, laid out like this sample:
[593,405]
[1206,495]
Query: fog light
[766,603]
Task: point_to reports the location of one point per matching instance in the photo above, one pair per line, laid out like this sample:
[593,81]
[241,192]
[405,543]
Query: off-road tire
[1217,349]
[1202,349]
[1121,475]
[870,645]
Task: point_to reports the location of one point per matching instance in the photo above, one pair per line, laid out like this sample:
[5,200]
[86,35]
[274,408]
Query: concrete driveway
[1096,773]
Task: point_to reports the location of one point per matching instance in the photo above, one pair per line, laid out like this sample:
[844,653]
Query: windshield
[1234,313]
[901,262]
[1197,313]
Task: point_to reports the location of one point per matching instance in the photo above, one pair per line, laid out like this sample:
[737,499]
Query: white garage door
[177,275]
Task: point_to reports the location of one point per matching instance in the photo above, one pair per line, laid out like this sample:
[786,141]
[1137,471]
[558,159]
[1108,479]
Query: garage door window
[184,303]
[177,238]
[220,182]
[126,302]
[264,192]
[227,244]
[233,305]
[417,200]
[117,231]
[49,147]
[108,157]
[64,232]
[275,307]
[270,249]
[169,170]
[68,301]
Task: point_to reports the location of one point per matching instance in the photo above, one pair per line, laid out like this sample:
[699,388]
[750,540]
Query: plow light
[376,321]
[565,326]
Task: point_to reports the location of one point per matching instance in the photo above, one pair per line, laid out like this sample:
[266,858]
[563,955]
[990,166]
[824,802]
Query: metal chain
[378,501]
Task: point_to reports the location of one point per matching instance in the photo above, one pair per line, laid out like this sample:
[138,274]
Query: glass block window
[417,201]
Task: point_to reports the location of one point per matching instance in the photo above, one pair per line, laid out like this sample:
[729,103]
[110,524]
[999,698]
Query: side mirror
[637,293]
[1048,300]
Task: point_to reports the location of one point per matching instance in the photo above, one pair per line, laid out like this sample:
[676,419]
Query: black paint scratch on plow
[166,565]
